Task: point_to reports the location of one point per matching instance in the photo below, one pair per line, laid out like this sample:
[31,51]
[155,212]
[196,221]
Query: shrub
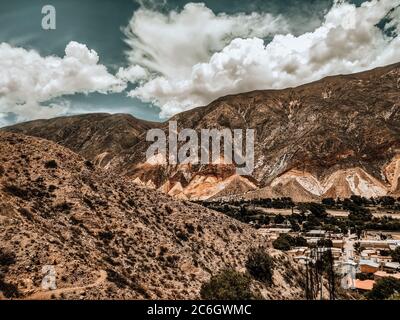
[359,214]
[330,202]
[26,213]
[6,258]
[325,243]
[9,290]
[89,164]
[396,254]
[51,164]
[316,209]
[228,285]
[300,242]
[283,242]
[119,280]
[260,265]
[63,206]
[106,235]
[16,191]
[279,219]
[384,288]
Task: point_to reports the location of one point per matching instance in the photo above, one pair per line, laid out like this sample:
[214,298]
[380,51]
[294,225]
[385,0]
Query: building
[383,274]
[365,254]
[380,259]
[391,266]
[338,243]
[368,266]
[316,233]
[364,285]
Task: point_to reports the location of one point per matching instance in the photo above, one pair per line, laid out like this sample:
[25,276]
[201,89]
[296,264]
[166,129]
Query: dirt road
[49,294]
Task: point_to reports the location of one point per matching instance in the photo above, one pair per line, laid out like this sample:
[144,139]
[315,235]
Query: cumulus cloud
[347,41]
[170,44]
[133,74]
[28,79]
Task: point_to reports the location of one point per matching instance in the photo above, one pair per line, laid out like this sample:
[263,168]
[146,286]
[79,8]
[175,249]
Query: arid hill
[332,138]
[107,237]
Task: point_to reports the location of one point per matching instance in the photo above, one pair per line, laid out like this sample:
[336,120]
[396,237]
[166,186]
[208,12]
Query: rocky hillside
[95,136]
[332,138]
[107,237]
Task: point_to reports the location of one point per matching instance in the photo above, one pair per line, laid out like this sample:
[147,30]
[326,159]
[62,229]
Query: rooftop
[316,232]
[383,274]
[369,263]
[392,265]
[364,284]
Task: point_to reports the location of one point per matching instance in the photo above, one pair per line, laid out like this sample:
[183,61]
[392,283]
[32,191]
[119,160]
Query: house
[337,236]
[382,244]
[391,266]
[380,259]
[368,266]
[364,285]
[384,274]
[274,230]
[365,254]
[316,233]
[338,243]
[272,233]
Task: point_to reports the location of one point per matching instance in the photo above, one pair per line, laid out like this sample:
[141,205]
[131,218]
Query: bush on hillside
[260,265]
[228,285]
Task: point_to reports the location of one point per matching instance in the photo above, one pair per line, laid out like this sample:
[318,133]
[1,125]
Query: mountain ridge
[345,124]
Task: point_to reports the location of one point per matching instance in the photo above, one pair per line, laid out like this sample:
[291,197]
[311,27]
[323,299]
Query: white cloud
[132,74]
[170,44]
[28,79]
[347,41]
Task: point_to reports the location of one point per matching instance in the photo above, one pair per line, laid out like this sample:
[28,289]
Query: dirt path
[46,295]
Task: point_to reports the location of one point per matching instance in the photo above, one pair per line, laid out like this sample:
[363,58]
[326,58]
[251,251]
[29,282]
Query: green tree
[228,285]
[384,288]
[316,209]
[396,254]
[330,202]
[284,242]
[357,247]
[359,214]
[260,265]
[279,219]
[325,243]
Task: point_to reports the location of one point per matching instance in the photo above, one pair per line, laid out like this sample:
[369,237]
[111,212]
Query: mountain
[95,136]
[108,238]
[332,138]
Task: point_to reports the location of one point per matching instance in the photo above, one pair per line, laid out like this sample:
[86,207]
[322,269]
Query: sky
[154,59]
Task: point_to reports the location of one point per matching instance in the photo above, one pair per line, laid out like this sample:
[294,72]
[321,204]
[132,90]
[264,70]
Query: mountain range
[335,137]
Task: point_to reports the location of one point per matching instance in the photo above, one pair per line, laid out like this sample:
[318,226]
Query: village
[360,261]
[362,235]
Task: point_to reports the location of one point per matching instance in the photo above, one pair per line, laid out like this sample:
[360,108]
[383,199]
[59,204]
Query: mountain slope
[97,135]
[344,129]
[107,237]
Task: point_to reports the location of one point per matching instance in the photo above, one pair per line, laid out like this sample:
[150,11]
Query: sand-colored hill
[109,238]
